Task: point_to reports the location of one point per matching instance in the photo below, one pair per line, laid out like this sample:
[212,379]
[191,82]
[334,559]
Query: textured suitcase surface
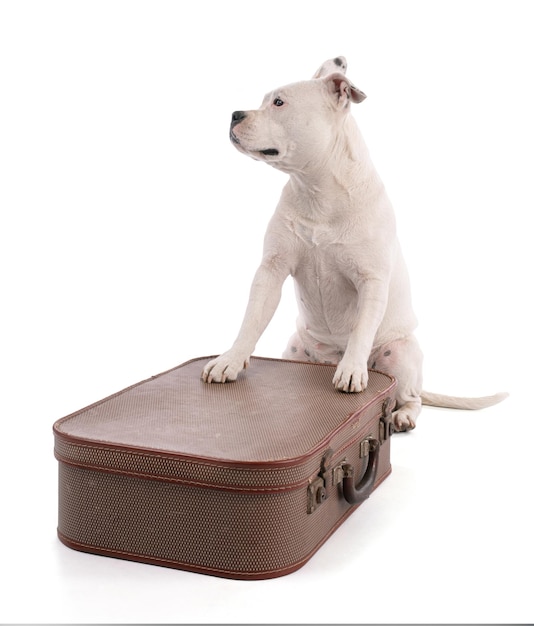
[243,480]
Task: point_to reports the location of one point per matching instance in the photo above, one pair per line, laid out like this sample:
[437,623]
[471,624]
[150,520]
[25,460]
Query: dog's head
[295,124]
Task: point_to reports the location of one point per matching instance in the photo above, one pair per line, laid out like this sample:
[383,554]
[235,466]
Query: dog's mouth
[266,152]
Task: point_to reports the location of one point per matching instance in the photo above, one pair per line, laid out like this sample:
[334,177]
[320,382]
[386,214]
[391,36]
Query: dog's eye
[277,102]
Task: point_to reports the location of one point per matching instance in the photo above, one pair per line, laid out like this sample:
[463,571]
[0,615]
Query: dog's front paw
[350,378]
[224,368]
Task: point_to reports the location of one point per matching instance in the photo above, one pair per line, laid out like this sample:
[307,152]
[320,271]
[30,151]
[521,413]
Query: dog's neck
[345,172]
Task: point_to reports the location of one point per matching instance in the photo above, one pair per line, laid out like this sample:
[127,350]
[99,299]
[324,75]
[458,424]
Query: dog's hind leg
[299,350]
[402,359]
[295,350]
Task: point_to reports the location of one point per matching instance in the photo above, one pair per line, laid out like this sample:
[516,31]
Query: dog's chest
[324,267]
[325,274]
[313,235]
[318,236]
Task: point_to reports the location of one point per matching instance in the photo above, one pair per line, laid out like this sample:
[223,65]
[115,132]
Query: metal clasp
[317,488]
[386,427]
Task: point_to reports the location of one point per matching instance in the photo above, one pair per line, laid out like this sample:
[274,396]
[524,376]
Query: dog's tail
[454,402]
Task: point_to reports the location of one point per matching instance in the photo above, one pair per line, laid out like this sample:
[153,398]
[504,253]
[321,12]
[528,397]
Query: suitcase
[244,480]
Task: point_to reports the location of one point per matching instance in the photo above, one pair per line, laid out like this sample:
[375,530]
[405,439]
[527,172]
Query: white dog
[334,232]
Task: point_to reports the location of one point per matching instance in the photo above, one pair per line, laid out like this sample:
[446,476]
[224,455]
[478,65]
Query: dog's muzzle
[237,118]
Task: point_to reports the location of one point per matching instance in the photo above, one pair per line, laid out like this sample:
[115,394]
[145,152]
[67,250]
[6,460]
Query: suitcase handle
[354,494]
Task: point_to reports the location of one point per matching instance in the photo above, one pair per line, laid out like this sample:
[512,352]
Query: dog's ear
[339,64]
[342,90]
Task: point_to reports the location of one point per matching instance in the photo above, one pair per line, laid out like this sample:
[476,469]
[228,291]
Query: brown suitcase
[243,480]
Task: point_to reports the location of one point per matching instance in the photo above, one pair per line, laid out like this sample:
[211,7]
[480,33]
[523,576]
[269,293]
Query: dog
[334,232]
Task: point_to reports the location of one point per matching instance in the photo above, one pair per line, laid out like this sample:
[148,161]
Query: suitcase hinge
[317,487]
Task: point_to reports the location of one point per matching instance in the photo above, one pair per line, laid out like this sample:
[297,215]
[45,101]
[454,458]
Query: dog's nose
[238,116]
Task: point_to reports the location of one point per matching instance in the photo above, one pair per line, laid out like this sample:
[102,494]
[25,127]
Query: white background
[130,231]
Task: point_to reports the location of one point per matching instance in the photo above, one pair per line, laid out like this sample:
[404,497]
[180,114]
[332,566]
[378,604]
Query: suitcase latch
[386,427]
[317,487]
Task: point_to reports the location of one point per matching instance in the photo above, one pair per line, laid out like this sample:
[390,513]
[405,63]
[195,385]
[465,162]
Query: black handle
[354,494]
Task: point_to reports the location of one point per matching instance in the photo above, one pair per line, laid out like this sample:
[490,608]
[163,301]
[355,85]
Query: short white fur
[334,232]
